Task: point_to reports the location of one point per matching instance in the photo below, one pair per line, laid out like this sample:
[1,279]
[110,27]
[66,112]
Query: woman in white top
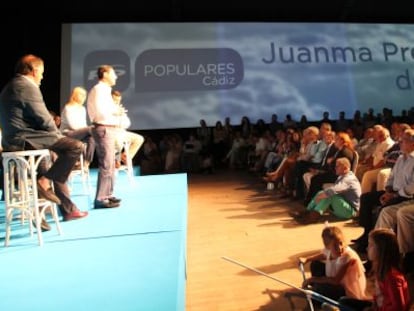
[74,122]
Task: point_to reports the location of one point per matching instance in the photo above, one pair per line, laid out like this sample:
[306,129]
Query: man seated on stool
[342,197]
[28,125]
[135,140]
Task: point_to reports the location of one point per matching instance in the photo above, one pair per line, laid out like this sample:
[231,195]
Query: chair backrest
[354,164]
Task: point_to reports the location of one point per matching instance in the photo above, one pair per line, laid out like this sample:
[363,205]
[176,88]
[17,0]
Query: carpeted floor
[127,258]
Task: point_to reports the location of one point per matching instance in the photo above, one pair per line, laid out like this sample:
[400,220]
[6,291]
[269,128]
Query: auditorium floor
[231,214]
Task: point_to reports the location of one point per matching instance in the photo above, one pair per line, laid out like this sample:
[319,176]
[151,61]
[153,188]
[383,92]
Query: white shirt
[380,150]
[354,281]
[73,118]
[101,106]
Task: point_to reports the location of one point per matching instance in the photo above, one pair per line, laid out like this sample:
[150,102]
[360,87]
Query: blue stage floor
[127,258]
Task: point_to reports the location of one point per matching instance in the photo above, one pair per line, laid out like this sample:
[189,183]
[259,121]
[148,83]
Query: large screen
[172,75]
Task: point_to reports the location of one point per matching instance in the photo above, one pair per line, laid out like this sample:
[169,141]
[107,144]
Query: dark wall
[41,39]
[35,27]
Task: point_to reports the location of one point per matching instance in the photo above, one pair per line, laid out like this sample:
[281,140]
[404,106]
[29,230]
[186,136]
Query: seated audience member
[391,291]
[74,123]
[342,124]
[344,272]
[400,219]
[151,158]
[218,146]
[135,140]
[30,126]
[366,145]
[344,148]
[329,140]
[204,134]
[368,170]
[400,187]
[274,125]
[312,159]
[257,156]
[391,156]
[342,198]
[301,152]
[274,154]
[289,123]
[237,153]
[174,145]
[319,261]
[294,149]
[191,154]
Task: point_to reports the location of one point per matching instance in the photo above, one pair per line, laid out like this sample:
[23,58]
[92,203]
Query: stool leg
[9,217]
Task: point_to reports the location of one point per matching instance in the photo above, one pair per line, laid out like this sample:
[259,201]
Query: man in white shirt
[105,117]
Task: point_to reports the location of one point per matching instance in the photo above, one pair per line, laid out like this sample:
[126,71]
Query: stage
[127,258]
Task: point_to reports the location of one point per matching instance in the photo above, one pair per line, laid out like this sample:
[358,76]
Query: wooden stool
[20,189]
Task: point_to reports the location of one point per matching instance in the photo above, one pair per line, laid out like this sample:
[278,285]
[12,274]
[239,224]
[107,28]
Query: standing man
[105,116]
[28,125]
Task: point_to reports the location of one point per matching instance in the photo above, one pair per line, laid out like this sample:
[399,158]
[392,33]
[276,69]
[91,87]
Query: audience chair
[20,189]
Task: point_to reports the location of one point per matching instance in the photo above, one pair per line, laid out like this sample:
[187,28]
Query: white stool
[128,167]
[83,173]
[20,189]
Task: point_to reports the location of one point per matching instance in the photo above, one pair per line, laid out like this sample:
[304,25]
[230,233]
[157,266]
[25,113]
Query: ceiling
[397,11]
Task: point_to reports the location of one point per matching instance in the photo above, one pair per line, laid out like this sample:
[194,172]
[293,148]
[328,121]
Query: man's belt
[106,125]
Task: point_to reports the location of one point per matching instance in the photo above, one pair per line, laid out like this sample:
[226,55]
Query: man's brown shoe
[47,194]
[43,225]
[310,218]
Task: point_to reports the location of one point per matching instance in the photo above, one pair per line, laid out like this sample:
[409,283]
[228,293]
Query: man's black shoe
[114,200]
[106,204]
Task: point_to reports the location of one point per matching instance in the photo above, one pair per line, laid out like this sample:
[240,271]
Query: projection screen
[172,75]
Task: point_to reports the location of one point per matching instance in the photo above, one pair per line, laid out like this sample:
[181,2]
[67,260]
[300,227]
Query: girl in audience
[391,289]
[344,271]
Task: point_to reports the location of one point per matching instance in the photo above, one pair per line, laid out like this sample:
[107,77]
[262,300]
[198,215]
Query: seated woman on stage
[74,123]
